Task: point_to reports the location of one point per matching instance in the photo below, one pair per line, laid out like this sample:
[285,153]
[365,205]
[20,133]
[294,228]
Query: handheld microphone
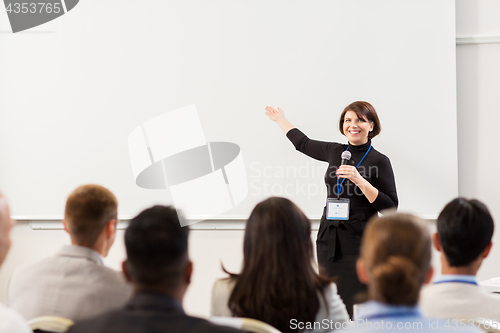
[346,156]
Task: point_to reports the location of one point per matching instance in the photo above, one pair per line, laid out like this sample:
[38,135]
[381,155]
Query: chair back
[50,324]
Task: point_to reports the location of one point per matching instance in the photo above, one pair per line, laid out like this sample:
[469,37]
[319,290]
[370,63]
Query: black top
[148,313]
[375,168]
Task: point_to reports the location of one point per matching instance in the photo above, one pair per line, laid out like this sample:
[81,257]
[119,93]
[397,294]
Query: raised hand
[274,114]
[279,117]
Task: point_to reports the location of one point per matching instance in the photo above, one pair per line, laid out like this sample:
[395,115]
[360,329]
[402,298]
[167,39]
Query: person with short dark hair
[363,185]
[464,231]
[10,320]
[395,262]
[158,266]
[278,283]
[74,283]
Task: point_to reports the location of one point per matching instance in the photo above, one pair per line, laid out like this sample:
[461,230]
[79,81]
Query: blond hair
[396,250]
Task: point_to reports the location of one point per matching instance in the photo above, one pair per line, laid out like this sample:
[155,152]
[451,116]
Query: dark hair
[157,248]
[363,110]
[277,282]
[396,250]
[88,209]
[465,228]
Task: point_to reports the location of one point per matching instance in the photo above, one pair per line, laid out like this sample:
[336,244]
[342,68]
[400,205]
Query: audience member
[74,283]
[10,321]
[395,261]
[159,267]
[464,232]
[278,283]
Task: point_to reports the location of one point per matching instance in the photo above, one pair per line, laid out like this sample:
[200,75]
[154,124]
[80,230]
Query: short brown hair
[396,250]
[363,110]
[88,209]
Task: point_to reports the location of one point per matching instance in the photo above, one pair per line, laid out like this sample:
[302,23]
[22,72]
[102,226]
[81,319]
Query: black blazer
[148,313]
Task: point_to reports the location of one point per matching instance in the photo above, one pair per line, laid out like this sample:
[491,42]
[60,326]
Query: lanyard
[339,187]
[459,281]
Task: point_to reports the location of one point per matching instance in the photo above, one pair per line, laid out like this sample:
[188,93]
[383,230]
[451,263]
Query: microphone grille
[346,155]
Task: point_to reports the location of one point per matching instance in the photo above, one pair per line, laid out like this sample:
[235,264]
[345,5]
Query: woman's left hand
[350,172]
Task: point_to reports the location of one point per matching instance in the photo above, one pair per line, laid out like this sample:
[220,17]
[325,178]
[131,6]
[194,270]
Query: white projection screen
[74,89]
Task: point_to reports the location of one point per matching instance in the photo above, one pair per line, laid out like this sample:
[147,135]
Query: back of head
[465,228]
[277,229]
[278,281]
[88,209]
[157,249]
[396,250]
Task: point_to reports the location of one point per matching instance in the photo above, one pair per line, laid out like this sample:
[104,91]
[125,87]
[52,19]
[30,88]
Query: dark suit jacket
[149,313]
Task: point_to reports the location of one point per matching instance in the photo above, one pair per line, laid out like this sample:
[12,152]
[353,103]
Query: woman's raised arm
[278,116]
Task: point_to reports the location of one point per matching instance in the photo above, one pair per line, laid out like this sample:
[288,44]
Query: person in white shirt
[74,283]
[464,232]
[10,321]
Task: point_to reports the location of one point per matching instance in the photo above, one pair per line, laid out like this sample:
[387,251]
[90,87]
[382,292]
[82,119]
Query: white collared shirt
[456,278]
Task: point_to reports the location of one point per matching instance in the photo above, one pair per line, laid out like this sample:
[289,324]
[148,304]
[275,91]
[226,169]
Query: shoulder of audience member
[12,322]
[203,326]
[21,269]
[186,323]
[113,322]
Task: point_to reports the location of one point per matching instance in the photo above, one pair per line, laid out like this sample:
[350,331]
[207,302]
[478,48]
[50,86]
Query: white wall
[478,87]
[230,59]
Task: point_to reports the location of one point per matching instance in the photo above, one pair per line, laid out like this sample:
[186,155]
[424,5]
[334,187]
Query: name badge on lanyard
[337,209]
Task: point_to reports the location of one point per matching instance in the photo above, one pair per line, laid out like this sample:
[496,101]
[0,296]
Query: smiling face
[356,129]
